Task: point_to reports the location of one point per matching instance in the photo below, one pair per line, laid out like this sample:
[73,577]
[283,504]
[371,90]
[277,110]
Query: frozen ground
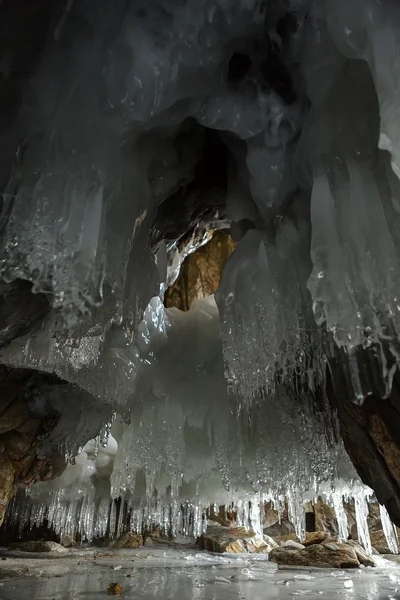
[174,574]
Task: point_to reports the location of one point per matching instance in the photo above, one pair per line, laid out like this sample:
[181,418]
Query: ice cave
[199,299]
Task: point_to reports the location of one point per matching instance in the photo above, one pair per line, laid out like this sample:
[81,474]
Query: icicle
[361,505]
[389,530]
[296,512]
[341,516]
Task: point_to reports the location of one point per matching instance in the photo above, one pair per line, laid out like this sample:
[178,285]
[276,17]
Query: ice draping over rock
[134,109]
[184,444]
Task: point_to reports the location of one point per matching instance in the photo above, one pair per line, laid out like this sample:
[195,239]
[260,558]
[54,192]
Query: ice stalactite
[268,331]
[341,516]
[361,505]
[355,275]
[170,455]
[389,531]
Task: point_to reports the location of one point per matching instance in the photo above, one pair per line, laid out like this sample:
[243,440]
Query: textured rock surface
[378,541]
[127,540]
[201,272]
[39,546]
[315,537]
[325,518]
[362,556]
[338,556]
[371,434]
[20,434]
[234,541]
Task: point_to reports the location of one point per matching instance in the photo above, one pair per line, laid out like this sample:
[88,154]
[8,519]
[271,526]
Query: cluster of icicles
[91,520]
[188,444]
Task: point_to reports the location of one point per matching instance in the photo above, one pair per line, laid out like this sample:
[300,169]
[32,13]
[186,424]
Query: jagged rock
[129,539]
[362,556]
[378,541]
[315,537]
[201,272]
[280,539]
[325,518]
[234,541]
[271,516]
[292,544]
[7,477]
[39,546]
[341,556]
[281,529]
[148,542]
[68,541]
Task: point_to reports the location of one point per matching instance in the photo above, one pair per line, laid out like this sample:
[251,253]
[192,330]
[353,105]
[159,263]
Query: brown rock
[362,556]
[283,528]
[201,272]
[325,518]
[388,447]
[114,589]
[39,546]
[378,541]
[7,478]
[271,516]
[234,540]
[315,537]
[128,540]
[317,555]
[279,539]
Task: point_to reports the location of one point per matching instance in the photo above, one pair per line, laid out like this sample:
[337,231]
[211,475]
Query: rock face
[235,541]
[331,555]
[371,432]
[201,272]
[378,541]
[20,433]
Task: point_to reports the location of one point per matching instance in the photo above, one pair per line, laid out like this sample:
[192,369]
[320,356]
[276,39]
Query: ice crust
[112,123]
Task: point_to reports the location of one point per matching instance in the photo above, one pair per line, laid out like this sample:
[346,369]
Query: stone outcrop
[39,546]
[329,555]
[201,272]
[20,433]
[129,539]
[235,541]
[371,432]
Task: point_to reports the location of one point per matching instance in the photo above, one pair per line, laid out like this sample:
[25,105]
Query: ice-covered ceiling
[130,131]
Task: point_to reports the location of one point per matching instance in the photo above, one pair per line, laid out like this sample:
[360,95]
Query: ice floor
[170,574]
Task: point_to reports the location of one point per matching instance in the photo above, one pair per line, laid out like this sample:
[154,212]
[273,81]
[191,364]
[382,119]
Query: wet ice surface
[173,574]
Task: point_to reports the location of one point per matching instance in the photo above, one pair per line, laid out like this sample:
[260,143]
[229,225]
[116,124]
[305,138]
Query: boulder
[127,540]
[292,544]
[235,540]
[362,556]
[39,546]
[280,539]
[336,556]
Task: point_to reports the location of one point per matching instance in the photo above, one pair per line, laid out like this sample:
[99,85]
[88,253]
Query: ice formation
[118,127]
[183,443]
